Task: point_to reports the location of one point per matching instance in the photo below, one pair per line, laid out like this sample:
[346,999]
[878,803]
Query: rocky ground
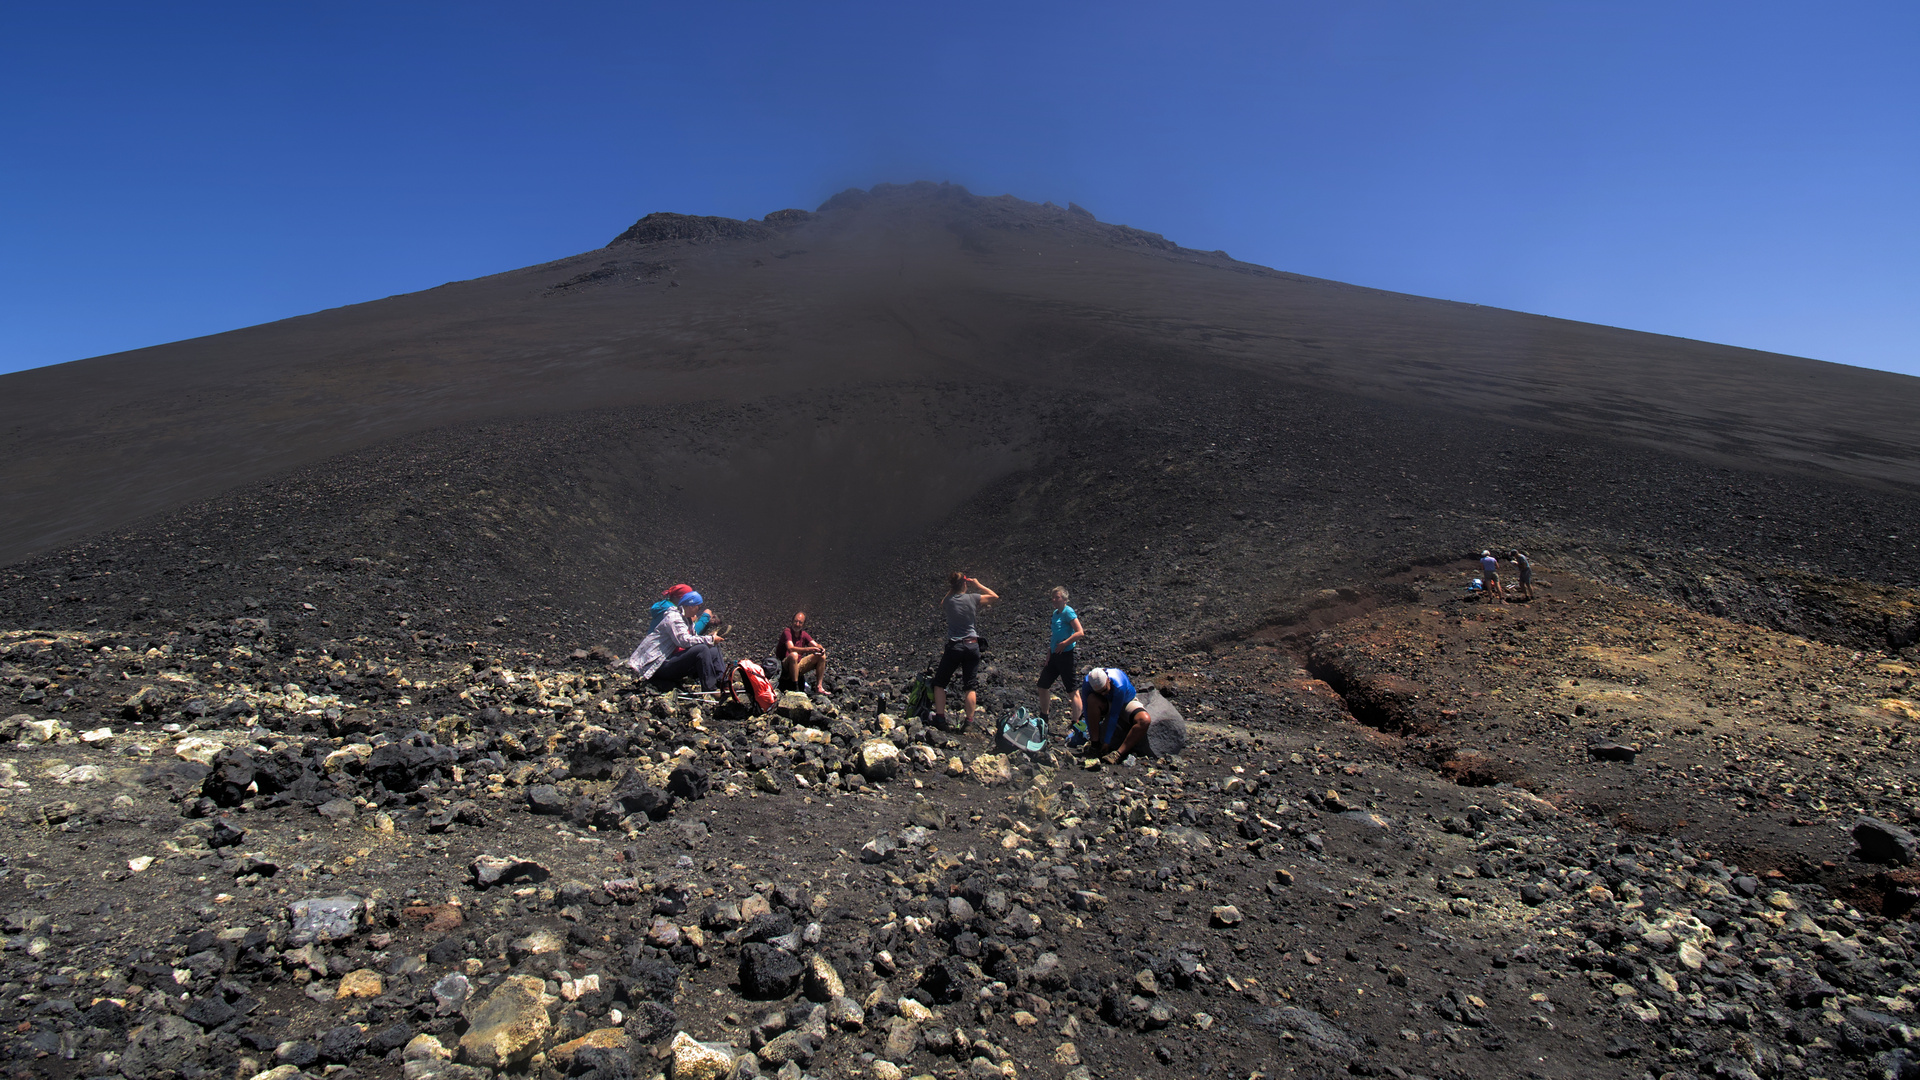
[1413,834]
[322,766]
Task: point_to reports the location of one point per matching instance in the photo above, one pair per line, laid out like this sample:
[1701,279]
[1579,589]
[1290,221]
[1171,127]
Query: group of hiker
[677,648]
[1490,574]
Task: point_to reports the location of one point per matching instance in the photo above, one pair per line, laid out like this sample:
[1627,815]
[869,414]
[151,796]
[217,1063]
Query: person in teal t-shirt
[1067,633]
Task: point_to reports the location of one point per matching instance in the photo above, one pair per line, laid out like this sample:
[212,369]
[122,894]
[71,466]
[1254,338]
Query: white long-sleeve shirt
[672,635]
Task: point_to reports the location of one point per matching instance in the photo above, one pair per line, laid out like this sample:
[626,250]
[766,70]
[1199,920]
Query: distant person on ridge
[798,654]
[962,610]
[1490,577]
[672,597]
[1519,559]
[1067,633]
[1107,698]
[671,651]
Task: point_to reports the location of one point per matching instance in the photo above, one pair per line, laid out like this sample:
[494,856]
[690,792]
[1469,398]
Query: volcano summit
[318,757]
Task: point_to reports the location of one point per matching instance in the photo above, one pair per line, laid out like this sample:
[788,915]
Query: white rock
[1691,956]
[97,735]
[198,748]
[139,863]
[41,731]
[879,760]
[351,754]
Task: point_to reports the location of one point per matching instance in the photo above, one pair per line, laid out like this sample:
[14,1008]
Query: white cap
[1097,679]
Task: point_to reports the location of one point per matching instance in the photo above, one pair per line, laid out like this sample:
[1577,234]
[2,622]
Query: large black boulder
[651,980]
[599,756]
[595,1063]
[767,973]
[546,799]
[689,782]
[637,798]
[233,772]
[946,981]
[768,925]
[404,766]
[342,1044]
[1885,842]
[279,772]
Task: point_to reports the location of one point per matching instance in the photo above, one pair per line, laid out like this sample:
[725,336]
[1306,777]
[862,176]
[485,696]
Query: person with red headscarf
[671,600]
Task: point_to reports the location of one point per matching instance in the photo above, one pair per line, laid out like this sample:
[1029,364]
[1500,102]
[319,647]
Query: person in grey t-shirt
[961,607]
[1519,559]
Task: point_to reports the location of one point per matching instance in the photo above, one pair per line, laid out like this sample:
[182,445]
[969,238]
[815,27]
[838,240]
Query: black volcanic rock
[1884,842]
[659,227]
[767,972]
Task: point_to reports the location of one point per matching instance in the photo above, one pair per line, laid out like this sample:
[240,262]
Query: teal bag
[1024,730]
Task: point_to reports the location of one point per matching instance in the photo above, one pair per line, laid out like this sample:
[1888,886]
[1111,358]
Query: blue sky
[1735,172]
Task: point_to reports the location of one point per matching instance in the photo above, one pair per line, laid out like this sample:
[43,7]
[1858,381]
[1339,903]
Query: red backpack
[754,686]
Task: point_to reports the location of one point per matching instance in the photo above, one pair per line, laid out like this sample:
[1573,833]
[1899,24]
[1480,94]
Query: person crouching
[671,651]
[1108,701]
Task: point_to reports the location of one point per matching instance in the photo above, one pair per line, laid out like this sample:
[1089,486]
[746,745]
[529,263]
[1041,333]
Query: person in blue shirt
[1067,632]
[1108,701]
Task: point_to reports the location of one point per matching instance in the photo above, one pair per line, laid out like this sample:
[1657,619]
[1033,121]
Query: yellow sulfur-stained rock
[510,1026]
[991,769]
[365,983]
[608,1038]
[695,1060]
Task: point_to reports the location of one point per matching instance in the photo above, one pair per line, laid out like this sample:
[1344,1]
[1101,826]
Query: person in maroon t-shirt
[798,654]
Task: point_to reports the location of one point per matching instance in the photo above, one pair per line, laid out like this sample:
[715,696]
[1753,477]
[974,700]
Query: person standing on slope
[1067,632]
[1490,577]
[962,610]
[1519,559]
[671,651]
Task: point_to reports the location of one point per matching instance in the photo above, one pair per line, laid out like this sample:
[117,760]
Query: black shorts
[964,655]
[1060,666]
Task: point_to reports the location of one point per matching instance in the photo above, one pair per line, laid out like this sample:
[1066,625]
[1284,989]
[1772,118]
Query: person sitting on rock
[671,598]
[1490,577]
[962,609]
[1108,693]
[799,654]
[672,652]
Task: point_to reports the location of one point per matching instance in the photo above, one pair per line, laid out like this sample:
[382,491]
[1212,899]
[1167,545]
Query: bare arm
[1078,633]
[987,596]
